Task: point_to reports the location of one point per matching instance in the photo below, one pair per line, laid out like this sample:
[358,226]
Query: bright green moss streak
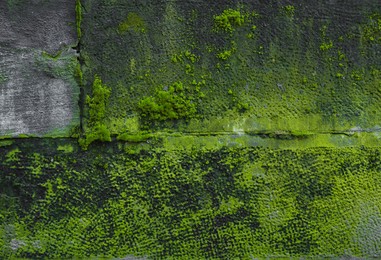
[97,102]
[96,128]
[229,20]
[68,148]
[78,74]
[78,16]
[134,138]
[168,104]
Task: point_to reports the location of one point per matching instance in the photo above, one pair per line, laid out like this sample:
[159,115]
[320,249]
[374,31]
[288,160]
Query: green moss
[78,16]
[190,56]
[96,128]
[257,175]
[242,201]
[134,138]
[325,46]
[176,58]
[327,43]
[97,102]
[13,156]
[68,148]
[183,56]
[98,132]
[5,142]
[225,54]
[372,30]
[289,10]
[25,136]
[6,137]
[270,84]
[167,104]
[242,106]
[133,22]
[229,20]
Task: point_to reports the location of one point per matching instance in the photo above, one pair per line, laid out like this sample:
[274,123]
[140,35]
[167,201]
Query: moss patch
[96,128]
[133,22]
[168,104]
[195,202]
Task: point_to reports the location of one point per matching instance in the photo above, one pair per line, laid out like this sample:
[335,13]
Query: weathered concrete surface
[300,66]
[38,92]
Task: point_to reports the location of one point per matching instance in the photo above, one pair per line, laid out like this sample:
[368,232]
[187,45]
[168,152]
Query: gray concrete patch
[38,92]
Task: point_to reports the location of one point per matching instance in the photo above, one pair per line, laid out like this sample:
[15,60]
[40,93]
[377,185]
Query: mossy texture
[210,130]
[194,203]
[263,62]
[95,128]
[169,103]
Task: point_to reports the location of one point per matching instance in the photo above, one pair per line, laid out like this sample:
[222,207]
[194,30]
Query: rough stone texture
[304,188]
[38,93]
[303,66]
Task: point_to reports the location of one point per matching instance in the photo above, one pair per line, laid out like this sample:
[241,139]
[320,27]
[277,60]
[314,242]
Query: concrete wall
[38,93]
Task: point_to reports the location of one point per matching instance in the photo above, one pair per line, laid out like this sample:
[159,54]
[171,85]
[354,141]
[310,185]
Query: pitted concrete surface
[38,93]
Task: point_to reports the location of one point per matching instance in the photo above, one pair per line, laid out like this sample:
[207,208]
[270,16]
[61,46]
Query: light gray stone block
[38,91]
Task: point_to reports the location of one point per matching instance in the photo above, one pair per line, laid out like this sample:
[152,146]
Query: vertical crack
[81,101]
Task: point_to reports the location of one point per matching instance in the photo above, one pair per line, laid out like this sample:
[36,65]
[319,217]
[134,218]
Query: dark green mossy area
[209,130]
[146,200]
[95,128]
[272,66]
